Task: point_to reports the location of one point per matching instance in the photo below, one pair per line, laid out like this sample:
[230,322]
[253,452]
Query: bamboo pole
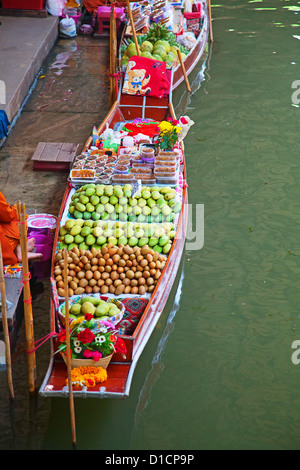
[71,398]
[113,54]
[183,70]
[133,28]
[5,329]
[28,318]
[210,21]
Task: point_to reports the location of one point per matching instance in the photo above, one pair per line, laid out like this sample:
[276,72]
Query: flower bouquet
[168,134]
[92,343]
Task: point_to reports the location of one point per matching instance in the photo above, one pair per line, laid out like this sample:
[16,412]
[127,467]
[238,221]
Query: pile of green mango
[87,234]
[114,202]
[95,306]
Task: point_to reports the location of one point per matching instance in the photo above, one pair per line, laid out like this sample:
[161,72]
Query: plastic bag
[55,7]
[67,28]
[187,39]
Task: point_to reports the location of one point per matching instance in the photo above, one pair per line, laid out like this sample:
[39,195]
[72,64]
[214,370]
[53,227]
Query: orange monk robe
[9,231]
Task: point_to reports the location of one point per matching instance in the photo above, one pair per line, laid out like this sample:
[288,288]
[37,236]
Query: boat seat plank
[13,289]
[54,155]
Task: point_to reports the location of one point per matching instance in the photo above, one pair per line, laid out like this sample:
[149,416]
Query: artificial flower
[168,134]
[96,356]
[86,336]
[88,316]
[100,339]
[87,353]
[88,376]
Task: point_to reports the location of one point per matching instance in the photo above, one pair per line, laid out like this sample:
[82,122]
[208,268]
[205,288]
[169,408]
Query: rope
[42,341]
[23,282]
[116,75]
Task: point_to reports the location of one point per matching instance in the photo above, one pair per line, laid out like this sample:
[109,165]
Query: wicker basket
[73,300]
[103,362]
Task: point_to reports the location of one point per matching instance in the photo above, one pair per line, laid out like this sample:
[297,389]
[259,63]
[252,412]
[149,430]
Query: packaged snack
[122,179]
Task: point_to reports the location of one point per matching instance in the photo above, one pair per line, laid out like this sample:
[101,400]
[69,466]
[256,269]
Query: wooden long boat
[195,53]
[120,371]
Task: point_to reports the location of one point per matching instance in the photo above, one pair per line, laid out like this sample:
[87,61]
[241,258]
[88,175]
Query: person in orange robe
[10,235]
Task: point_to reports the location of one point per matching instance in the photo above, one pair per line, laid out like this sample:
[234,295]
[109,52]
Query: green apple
[90,239]
[94,200]
[89,207]
[90,191]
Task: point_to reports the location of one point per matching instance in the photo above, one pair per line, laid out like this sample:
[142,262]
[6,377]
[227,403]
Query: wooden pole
[113,54]
[210,21]
[67,326]
[133,28]
[28,318]
[5,329]
[183,70]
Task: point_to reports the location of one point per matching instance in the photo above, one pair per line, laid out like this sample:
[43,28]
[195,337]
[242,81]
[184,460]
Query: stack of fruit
[109,202]
[113,270]
[159,44]
[86,234]
[99,308]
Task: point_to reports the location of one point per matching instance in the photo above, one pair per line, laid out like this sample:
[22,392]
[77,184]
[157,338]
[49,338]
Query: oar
[113,54]
[28,318]
[5,329]
[132,27]
[67,326]
[210,21]
[183,70]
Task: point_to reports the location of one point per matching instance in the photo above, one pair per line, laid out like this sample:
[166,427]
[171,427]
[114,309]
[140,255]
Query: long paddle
[67,325]
[210,21]
[133,28]
[5,329]
[28,318]
[183,70]
[113,54]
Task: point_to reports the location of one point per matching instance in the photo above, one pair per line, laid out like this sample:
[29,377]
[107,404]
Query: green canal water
[218,371]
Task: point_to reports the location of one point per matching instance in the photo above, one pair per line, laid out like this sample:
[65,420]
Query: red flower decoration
[86,336]
[88,353]
[66,354]
[88,316]
[120,347]
[61,336]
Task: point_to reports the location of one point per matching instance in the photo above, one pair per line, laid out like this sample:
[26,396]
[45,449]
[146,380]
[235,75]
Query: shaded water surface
[217,372]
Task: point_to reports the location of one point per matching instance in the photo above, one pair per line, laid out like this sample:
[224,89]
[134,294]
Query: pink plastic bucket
[43,245]
[76,17]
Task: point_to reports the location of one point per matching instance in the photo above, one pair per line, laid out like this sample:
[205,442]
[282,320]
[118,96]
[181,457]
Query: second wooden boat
[194,26]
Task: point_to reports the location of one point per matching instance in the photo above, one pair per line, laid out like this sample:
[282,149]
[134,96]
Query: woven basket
[103,362]
[73,300]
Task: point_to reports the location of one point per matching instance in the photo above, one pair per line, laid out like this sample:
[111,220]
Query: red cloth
[146,76]
[148,129]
